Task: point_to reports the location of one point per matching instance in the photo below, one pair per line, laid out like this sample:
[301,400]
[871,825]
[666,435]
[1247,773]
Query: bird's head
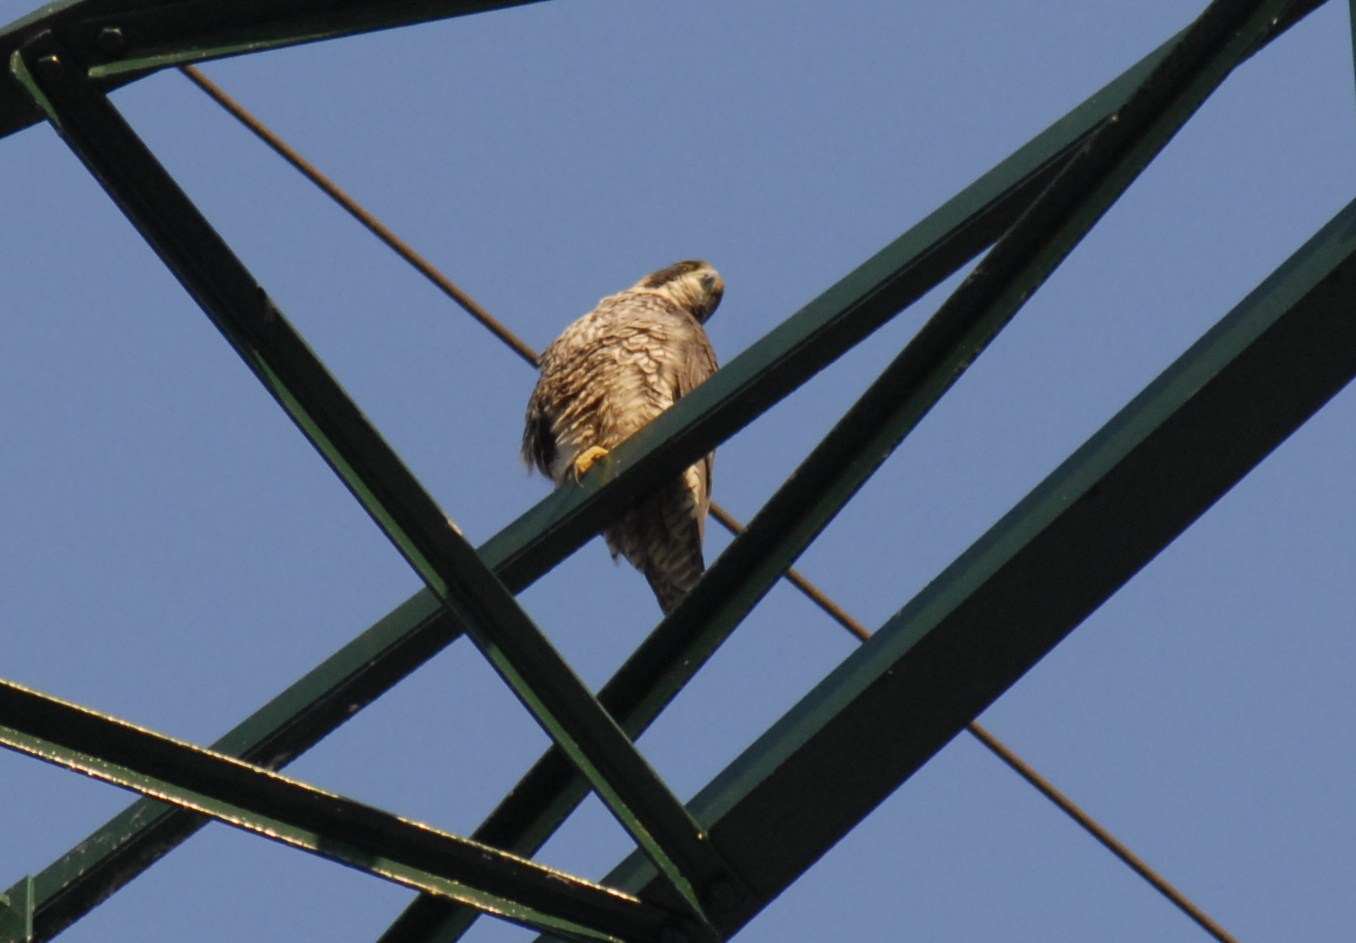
[693,284]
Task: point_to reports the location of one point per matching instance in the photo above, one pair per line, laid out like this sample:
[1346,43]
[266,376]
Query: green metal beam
[399,505]
[1351,23]
[271,737]
[1080,535]
[16,912]
[819,333]
[1101,170]
[377,659]
[324,824]
[119,41]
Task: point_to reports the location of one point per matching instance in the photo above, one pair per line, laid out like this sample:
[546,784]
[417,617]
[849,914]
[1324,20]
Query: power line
[374,225]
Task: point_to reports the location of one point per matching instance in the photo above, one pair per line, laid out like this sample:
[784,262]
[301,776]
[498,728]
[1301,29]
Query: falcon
[612,371]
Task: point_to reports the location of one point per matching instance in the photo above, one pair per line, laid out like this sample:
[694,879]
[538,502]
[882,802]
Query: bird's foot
[585,460]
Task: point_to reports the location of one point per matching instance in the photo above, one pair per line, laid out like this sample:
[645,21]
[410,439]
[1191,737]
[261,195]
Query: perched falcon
[610,373]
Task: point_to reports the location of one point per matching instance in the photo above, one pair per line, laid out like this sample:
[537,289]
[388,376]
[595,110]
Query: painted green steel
[866,436]
[331,826]
[1351,20]
[273,736]
[381,656]
[16,912]
[1080,535]
[122,40]
[405,512]
[152,37]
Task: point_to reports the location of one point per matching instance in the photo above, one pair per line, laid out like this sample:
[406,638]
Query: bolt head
[111,40]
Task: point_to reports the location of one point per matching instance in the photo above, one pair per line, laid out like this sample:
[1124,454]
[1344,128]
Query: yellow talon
[585,460]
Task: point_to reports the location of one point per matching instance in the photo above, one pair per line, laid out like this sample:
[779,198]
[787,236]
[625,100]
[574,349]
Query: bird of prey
[612,371]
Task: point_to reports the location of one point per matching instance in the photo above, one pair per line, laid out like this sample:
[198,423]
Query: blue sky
[178,553]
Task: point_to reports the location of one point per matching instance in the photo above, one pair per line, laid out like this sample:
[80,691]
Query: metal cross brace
[16,912]
[123,40]
[397,502]
[269,804]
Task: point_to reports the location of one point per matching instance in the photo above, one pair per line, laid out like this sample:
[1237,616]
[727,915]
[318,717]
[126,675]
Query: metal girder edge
[16,912]
[1351,22]
[269,804]
[124,40]
[271,737]
[1085,531]
[146,40]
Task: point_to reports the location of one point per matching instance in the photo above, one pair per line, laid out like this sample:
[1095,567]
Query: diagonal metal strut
[123,40]
[269,804]
[1081,534]
[388,491]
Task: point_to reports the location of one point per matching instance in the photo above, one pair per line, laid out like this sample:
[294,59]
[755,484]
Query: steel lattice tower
[704,869]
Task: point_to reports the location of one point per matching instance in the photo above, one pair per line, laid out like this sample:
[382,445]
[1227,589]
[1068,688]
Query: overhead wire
[986,738]
[358,212]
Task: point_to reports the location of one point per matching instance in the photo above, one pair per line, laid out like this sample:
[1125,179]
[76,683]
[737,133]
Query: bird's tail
[670,590]
[663,540]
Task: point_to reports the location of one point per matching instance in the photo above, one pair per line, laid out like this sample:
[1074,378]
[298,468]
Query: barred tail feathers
[662,538]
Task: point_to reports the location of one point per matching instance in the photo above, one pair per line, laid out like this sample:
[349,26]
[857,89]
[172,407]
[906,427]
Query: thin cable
[1102,835]
[382,232]
[374,225]
[808,589]
[732,524]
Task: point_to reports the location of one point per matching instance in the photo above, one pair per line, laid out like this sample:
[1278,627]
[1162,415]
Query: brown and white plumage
[612,371]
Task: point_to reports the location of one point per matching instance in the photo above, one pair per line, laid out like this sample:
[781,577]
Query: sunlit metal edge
[115,57]
[322,823]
